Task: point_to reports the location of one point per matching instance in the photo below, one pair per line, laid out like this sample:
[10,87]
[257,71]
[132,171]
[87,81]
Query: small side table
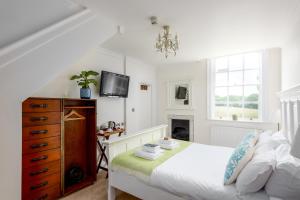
[106,135]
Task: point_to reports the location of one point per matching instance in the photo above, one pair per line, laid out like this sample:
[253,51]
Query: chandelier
[165,43]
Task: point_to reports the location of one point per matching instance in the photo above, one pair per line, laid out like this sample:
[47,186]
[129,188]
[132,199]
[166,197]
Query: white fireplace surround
[183,117]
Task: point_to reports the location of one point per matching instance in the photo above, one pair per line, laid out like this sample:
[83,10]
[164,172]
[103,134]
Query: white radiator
[228,136]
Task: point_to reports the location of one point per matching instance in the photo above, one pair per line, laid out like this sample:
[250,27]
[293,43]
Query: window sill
[263,125]
[234,121]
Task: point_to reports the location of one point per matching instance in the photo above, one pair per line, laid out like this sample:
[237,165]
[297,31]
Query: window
[236,87]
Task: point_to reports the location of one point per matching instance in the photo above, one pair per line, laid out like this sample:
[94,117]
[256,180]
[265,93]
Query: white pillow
[285,180]
[268,141]
[280,138]
[264,137]
[256,173]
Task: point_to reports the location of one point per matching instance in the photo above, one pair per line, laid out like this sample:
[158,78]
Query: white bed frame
[290,101]
[131,184]
[290,111]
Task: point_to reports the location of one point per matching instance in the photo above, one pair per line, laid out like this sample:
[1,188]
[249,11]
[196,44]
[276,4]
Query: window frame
[211,76]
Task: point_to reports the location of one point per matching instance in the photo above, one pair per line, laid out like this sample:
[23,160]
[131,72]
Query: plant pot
[85,93]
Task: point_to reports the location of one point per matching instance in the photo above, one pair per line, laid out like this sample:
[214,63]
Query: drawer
[43,144]
[36,186]
[39,171]
[39,158]
[35,119]
[41,105]
[38,132]
[47,194]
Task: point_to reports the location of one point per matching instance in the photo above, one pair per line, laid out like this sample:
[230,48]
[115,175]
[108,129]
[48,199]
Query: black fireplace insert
[181,129]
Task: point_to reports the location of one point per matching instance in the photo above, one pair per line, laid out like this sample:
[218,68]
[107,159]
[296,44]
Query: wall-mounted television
[113,85]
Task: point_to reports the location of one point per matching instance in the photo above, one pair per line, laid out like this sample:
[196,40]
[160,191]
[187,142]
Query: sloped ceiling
[19,19]
[206,28]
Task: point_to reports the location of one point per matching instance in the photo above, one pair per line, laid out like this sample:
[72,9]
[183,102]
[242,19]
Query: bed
[196,172]
[175,177]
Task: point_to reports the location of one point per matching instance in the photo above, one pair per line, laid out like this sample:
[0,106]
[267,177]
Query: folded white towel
[147,155]
[167,142]
[152,148]
[169,146]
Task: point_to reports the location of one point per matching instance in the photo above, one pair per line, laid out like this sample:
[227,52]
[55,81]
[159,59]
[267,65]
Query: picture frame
[175,100]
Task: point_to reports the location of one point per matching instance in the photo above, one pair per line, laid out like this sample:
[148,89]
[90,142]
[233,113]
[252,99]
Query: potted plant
[84,80]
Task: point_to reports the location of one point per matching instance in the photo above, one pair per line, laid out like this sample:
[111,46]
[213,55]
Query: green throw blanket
[129,161]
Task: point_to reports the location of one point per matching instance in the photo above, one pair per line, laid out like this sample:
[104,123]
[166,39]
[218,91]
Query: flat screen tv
[113,85]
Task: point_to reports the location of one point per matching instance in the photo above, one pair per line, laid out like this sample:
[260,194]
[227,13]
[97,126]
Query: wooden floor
[98,191]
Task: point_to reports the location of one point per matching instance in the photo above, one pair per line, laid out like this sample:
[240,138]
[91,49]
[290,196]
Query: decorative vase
[234,117]
[85,93]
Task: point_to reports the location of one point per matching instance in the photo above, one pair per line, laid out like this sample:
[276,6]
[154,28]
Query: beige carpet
[98,191]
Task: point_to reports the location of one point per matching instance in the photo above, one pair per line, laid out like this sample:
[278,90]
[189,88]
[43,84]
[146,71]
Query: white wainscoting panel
[228,136]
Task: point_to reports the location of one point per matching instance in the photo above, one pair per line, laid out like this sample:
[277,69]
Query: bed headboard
[290,111]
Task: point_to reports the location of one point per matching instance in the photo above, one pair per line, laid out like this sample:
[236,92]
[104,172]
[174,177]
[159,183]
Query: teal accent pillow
[240,157]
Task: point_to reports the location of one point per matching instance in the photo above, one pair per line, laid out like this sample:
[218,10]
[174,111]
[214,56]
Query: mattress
[196,172]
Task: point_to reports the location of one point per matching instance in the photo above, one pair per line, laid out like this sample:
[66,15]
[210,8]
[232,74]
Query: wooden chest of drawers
[49,154]
[41,149]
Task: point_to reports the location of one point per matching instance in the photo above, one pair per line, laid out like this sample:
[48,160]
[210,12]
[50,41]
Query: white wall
[26,66]
[291,61]
[96,59]
[197,73]
[108,108]
[271,84]
[144,114]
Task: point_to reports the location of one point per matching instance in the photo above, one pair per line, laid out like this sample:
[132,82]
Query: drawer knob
[36,119]
[39,132]
[43,197]
[43,184]
[38,105]
[39,158]
[35,146]
[39,172]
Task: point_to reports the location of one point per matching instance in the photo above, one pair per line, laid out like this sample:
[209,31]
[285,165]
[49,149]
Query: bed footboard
[120,145]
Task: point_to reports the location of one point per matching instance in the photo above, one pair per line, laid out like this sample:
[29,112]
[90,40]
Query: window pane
[221,79]
[251,77]
[235,62]
[252,60]
[237,86]
[251,111]
[221,64]
[251,93]
[235,109]
[235,94]
[220,111]
[236,78]
[221,94]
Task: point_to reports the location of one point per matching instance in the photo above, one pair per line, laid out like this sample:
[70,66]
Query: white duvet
[197,173]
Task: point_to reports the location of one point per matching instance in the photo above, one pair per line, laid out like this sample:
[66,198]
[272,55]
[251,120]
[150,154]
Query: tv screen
[112,84]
